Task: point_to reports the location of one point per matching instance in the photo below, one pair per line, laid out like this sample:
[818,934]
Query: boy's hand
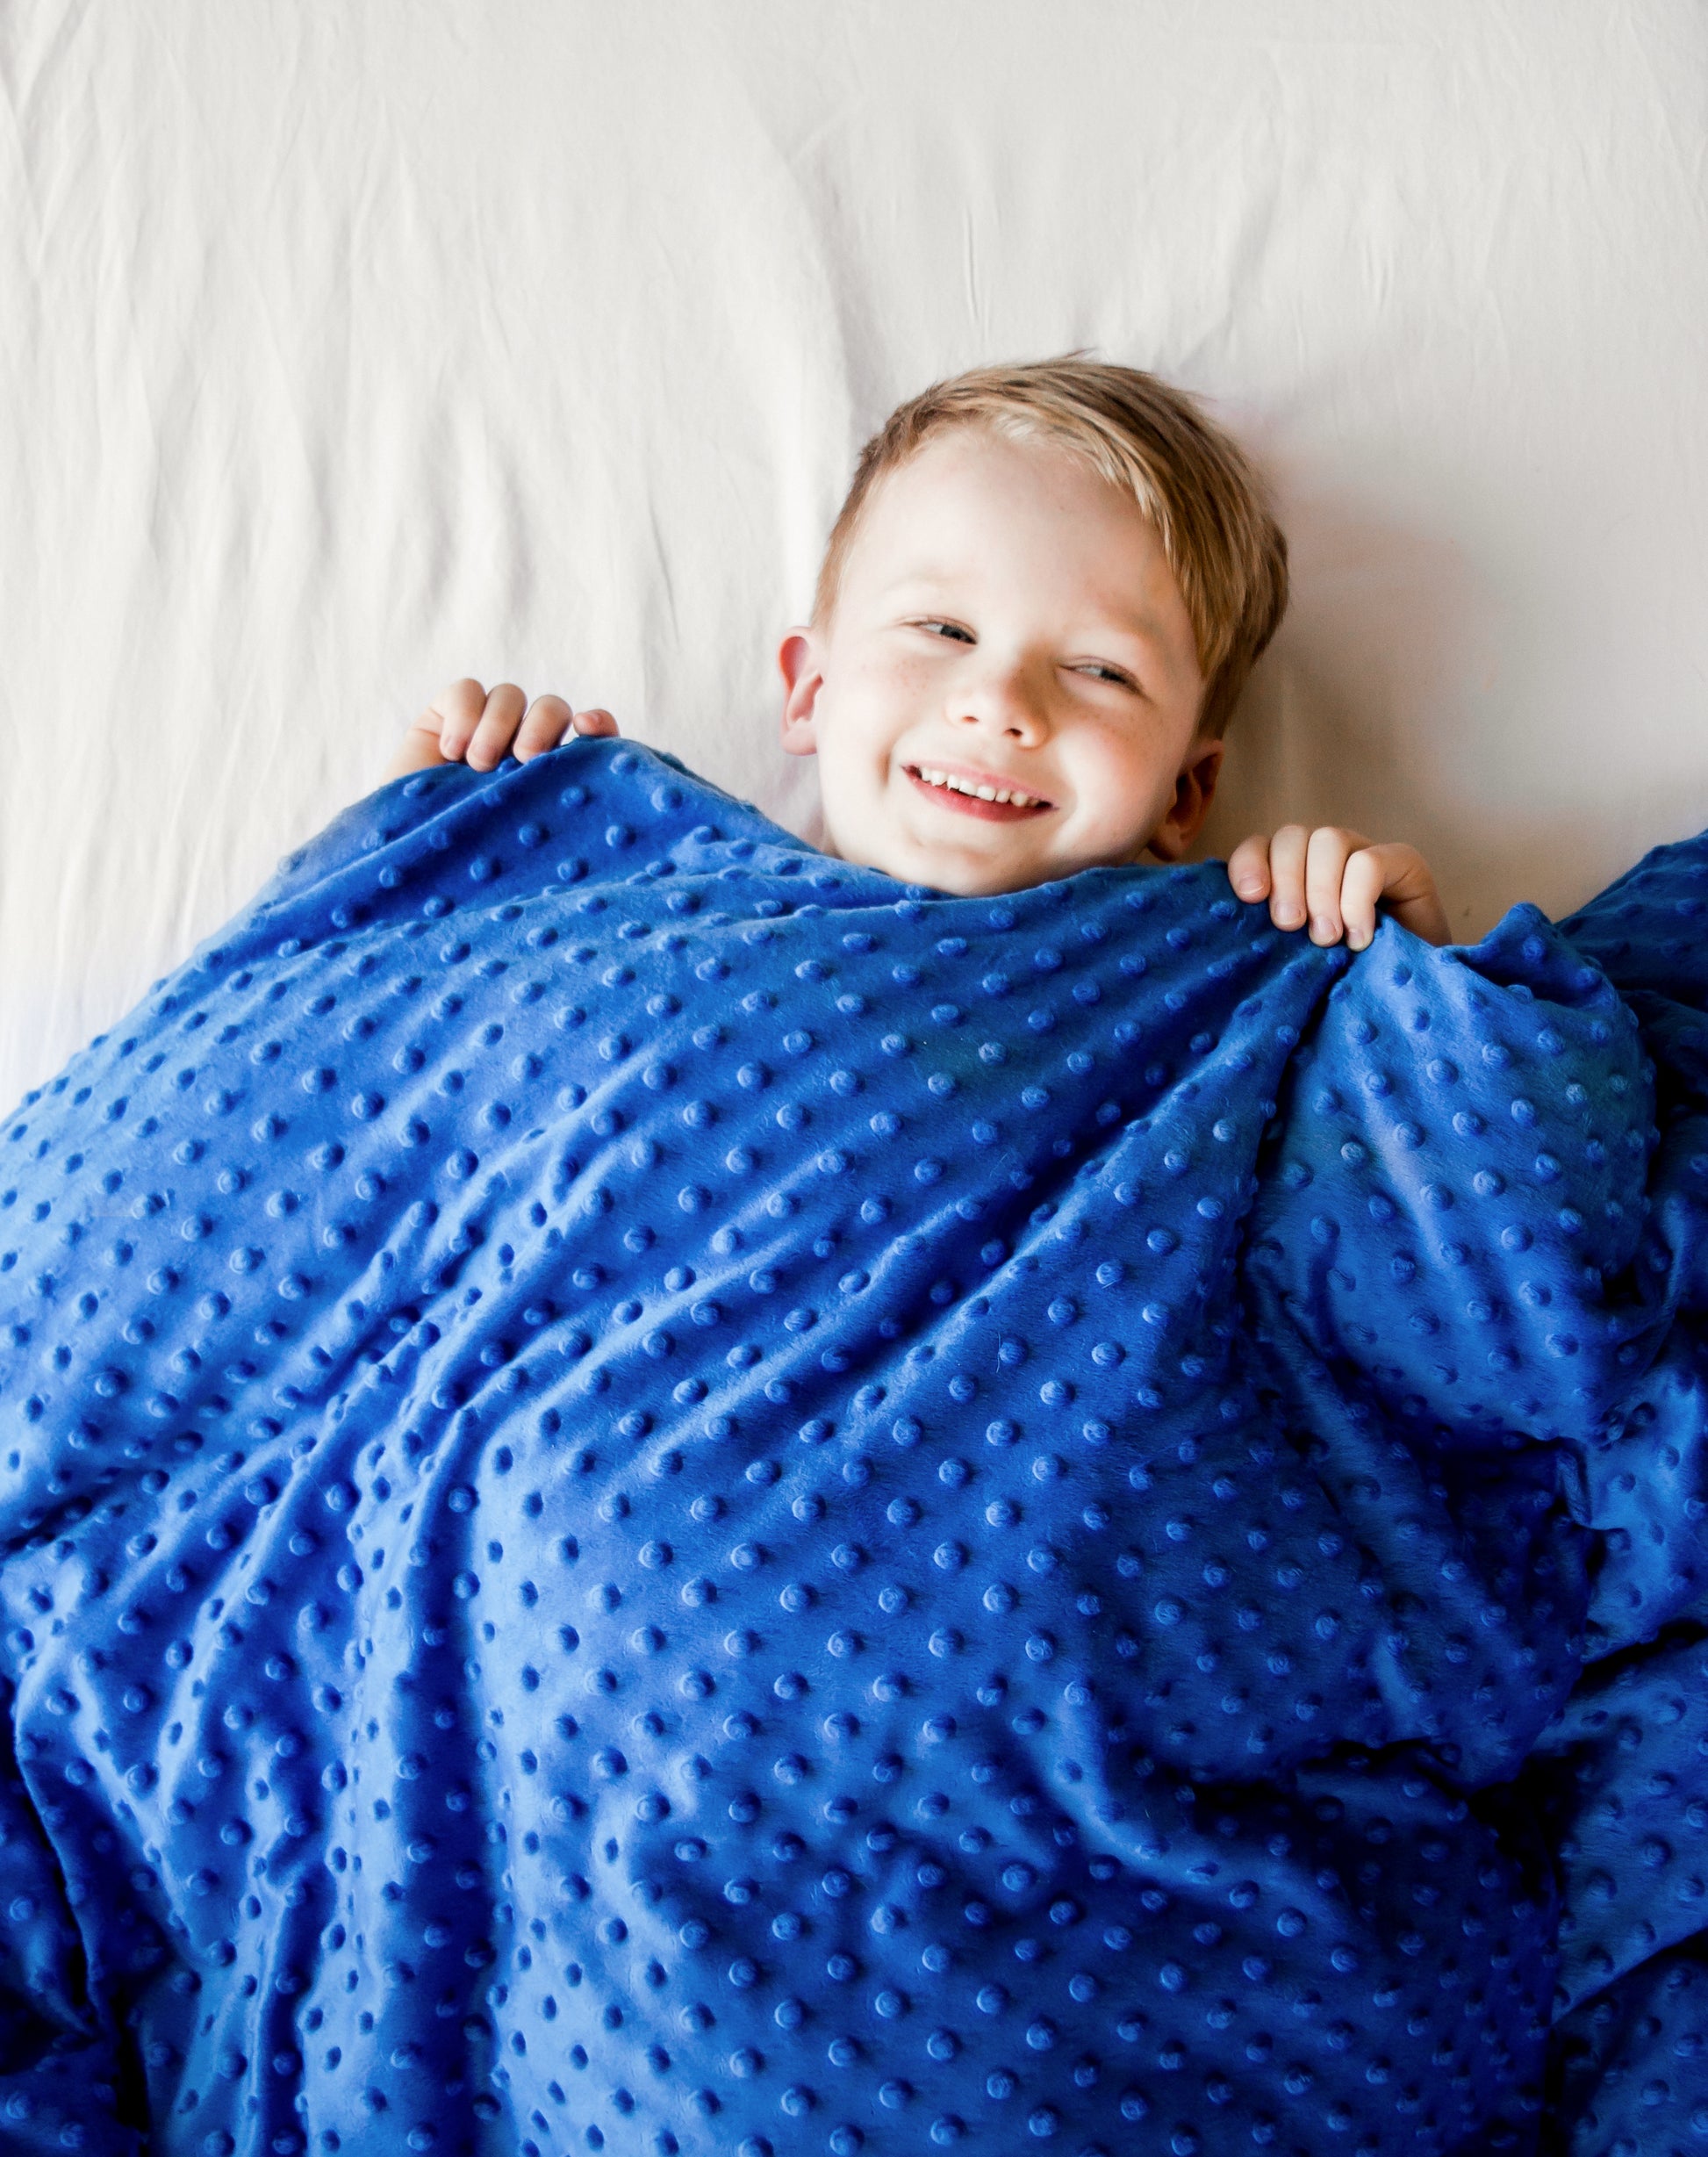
[466,724]
[1339,878]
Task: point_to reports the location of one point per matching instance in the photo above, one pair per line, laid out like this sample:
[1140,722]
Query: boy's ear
[803,677]
[1194,789]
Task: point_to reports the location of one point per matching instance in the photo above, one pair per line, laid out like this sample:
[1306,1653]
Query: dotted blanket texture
[659,1495]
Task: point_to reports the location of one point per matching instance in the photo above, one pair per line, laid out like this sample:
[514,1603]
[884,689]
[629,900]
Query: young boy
[669,1494]
[1036,610]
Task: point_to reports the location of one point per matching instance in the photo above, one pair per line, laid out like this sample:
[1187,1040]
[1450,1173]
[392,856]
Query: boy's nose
[1001,701]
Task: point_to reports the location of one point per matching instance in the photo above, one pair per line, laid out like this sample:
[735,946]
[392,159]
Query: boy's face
[1007,621]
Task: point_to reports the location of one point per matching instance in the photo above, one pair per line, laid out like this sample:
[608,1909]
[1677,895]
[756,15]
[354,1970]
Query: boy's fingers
[468,722]
[1325,868]
[419,750]
[1360,888]
[1287,877]
[454,715]
[1409,893]
[1248,867]
[493,738]
[546,723]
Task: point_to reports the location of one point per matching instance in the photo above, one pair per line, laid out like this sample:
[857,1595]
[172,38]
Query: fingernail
[1289,918]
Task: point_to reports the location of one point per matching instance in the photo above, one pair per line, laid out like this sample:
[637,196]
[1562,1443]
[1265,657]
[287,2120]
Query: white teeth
[1013,796]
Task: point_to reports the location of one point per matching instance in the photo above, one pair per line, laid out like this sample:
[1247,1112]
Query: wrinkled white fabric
[343,351]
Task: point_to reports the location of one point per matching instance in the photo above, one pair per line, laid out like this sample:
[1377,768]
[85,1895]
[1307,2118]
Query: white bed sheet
[346,350]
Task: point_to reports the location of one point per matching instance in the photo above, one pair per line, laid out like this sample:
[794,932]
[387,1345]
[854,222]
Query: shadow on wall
[1378,708]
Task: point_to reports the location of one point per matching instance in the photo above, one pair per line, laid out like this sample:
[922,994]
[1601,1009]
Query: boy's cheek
[1116,808]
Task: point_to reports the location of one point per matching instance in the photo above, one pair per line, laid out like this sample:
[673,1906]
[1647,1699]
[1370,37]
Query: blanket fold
[661,1496]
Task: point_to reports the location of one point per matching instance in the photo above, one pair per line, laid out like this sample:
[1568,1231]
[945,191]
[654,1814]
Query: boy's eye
[1110,673]
[948,629]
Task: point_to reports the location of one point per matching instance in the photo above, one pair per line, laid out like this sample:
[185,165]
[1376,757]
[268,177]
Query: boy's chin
[914,865]
[964,880]
[962,875]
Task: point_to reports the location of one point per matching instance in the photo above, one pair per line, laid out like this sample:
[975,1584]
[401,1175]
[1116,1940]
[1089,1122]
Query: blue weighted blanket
[659,1495]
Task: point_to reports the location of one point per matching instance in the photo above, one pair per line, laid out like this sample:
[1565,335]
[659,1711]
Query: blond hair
[1208,505]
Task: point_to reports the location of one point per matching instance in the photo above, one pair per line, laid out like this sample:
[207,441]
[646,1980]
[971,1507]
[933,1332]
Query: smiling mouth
[970,793]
